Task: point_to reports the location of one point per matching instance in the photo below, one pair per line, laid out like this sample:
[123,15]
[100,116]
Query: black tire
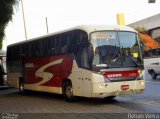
[1,82]
[109,98]
[68,92]
[21,87]
[153,75]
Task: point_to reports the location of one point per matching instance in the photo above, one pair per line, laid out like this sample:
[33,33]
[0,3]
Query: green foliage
[6,13]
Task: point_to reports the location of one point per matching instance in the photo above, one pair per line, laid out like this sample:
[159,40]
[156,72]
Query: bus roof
[91,28]
[86,28]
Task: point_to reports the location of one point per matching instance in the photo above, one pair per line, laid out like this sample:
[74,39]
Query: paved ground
[37,103]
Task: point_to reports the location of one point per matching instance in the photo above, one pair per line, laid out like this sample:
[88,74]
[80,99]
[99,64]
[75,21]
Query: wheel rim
[153,75]
[21,87]
[69,91]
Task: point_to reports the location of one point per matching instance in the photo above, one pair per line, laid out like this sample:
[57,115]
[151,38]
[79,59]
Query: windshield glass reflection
[115,49]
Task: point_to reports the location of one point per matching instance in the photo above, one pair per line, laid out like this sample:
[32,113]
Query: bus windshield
[116,49]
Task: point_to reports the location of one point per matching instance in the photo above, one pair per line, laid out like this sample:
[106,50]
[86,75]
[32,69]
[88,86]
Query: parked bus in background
[87,61]
[2,67]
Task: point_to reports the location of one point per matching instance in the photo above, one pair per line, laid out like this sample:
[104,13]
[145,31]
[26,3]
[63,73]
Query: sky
[64,14]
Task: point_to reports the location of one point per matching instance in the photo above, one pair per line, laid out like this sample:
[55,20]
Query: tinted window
[47,46]
[83,57]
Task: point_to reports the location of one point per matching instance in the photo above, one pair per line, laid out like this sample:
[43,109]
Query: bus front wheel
[68,92]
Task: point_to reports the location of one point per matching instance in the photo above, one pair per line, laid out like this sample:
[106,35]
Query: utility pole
[47,25]
[24,23]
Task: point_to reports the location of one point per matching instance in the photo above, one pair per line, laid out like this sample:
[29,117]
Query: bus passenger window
[77,55]
[82,57]
[83,38]
[38,53]
[96,59]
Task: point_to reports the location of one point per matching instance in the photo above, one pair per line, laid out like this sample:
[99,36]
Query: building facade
[151,24]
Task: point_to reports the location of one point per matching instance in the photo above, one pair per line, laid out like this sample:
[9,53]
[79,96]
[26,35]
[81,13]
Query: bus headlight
[103,85]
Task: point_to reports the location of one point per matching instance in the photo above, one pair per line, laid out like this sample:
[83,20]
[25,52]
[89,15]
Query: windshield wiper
[133,61]
[116,57]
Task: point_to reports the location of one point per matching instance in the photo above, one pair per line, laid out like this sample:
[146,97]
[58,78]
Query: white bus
[87,61]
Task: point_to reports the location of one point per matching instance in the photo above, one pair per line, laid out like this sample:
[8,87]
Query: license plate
[124,87]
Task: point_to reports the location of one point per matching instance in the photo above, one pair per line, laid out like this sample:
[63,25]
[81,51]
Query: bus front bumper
[118,88]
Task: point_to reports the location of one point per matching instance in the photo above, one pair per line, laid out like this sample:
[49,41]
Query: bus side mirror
[79,45]
[82,45]
[142,43]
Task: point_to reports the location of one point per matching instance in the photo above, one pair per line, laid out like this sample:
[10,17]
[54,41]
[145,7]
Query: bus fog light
[142,82]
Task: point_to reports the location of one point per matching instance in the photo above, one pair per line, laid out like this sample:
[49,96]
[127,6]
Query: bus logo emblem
[46,76]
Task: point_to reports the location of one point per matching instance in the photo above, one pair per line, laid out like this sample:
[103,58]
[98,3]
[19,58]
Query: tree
[6,13]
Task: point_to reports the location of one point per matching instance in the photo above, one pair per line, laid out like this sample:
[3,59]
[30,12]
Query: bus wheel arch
[67,90]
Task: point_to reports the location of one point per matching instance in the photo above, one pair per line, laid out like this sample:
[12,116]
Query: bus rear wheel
[68,92]
[21,87]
